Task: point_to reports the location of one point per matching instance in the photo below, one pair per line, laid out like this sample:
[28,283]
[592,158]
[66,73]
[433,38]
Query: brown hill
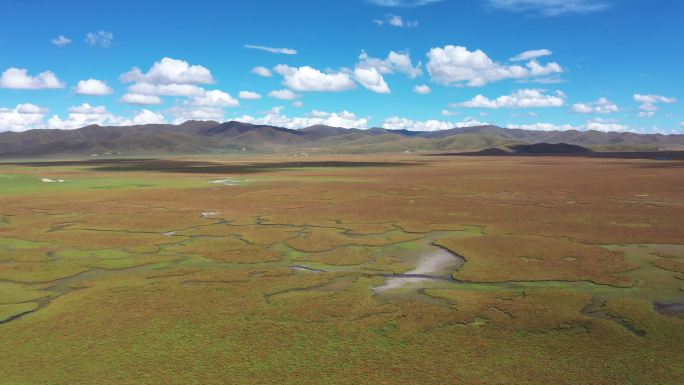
[207,137]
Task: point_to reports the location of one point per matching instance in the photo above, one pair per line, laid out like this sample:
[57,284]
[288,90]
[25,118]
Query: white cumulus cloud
[29,116]
[605,125]
[398,123]
[542,126]
[19,78]
[371,79]
[649,103]
[283,94]
[456,65]
[182,114]
[93,87]
[422,89]
[249,95]
[214,98]
[597,124]
[146,117]
[166,89]
[525,98]
[80,116]
[262,71]
[22,117]
[210,105]
[396,62]
[369,71]
[275,117]
[139,99]
[174,77]
[170,71]
[601,106]
[305,79]
[86,114]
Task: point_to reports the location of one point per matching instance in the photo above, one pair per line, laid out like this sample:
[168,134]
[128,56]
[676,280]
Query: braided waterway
[408,269]
[435,267]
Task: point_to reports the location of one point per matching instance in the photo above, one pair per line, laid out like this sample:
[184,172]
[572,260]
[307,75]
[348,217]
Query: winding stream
[434,268]
[64,286]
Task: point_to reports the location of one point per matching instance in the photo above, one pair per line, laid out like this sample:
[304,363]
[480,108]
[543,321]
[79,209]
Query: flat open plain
[342,270]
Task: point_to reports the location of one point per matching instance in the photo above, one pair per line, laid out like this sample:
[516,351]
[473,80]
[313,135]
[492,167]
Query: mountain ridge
[204,137]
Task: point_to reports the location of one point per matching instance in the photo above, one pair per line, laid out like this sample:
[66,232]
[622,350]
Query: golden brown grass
[493,258]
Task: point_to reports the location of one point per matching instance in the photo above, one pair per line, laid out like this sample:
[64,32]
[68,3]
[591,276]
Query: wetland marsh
[374,269]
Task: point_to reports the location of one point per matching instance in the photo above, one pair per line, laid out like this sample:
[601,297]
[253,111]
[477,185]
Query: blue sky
[414,64]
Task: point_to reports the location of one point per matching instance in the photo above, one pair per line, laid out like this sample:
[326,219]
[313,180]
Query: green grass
[14,293]
[11,184]
[19,244]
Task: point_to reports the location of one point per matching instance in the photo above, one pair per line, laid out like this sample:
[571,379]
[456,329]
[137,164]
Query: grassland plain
[275,270]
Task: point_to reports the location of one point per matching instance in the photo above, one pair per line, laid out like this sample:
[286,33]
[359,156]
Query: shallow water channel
[410,267]
[437,264]
[435,267]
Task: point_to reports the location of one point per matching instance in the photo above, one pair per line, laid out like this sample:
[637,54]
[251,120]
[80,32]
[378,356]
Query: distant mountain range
[208,137]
